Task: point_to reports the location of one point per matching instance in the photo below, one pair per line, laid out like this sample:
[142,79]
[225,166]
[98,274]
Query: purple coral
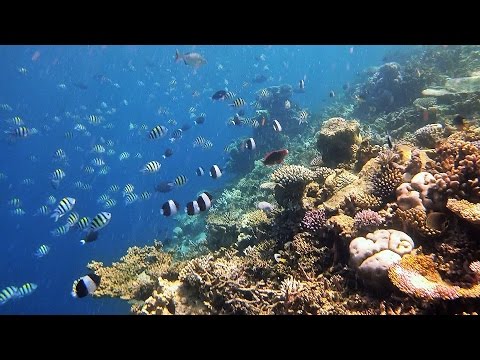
[368,220]
[314,220]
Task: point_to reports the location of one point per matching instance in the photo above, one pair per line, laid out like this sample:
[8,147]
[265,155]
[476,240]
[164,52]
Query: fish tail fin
[178,56]
[55,215]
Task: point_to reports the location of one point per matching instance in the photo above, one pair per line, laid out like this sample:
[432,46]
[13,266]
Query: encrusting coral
[416,275]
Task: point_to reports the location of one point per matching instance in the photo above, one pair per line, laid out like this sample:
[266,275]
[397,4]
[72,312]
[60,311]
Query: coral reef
[314,221]
[368,220]
[416,275]
[335,139]
[346,205]
[375,253]
[134,275]
[465,209]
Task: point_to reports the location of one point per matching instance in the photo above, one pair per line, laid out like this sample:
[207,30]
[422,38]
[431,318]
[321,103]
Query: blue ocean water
[134,85]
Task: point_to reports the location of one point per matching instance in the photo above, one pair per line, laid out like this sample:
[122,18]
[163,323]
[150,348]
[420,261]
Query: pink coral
[314,221]
[368,220]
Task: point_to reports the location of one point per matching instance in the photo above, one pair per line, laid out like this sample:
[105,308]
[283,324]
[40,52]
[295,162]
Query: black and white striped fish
[64,206]
[128,189]
[43,210]
[200,171]
[277,126]
[83,223]
[250,144]
[27,289]
[192,208]
[169,208]
[204,201]
[21,131]
[177,134]
[85,285]
[130,198]
[61,230]
[10,292]
[100,221]
[151,167]
[157,132]
[238,102]
[215,171]
[180,180]
[72,219]
[109,203]
[42,251]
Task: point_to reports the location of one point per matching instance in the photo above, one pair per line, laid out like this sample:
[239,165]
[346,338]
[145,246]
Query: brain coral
[373,254]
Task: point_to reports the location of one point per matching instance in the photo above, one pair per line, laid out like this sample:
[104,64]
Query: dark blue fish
[164,186]
[219,95]
[259,78]
[81,85]
[186,127]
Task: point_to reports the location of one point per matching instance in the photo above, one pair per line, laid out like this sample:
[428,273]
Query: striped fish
[180,180]
[238,102]
[111,152]
[58,175]
[99,149]
[21,131]
[27,289]
[302,117]
[61,230]
[69,135]
[199,140]
[109,203]
[157,132]
[28,181]
[64,206]
[97,162]
[230,95]
[128,189]
[15,202]
[72,219]
[16,120]
[59,154]
[51,200]
[104,170]
[43,210]
[177,134]
[138,156]
[145,195]
[10,292]
[124,155]
[264,93]
[88,169]
[5,107]
[83,223]
[113,188]
[151,167]
[82,186]
[100,221]
[17,212]
[95,119]
[130,198]
[42,251]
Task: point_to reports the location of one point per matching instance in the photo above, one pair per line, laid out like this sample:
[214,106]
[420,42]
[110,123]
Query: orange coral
[417,276]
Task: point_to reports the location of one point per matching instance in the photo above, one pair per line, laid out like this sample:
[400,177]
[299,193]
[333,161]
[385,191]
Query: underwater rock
[335,139]
[463,85]
[428,135]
